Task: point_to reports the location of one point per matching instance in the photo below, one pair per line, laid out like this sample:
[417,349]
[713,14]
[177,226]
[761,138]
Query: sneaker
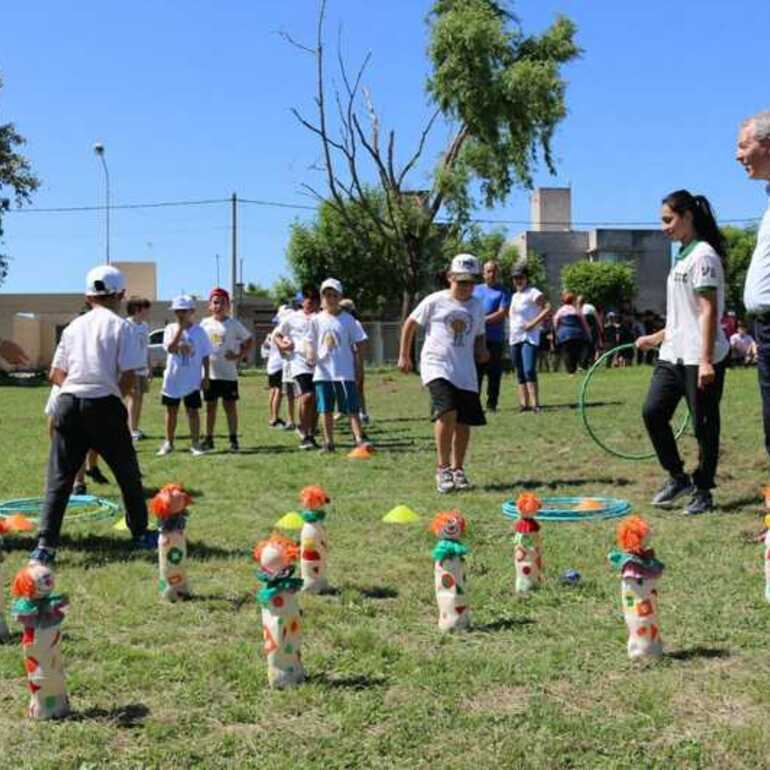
[137,435]
[96,474]
[197,449]
[146,542]
[675,487]
[44,556]
[166,448]
[234,445]
[523,409]
[700,502]
[279,423]
[207,444]
[289,426]
[492,408]
[460,479]
[445,480]
[308,443]
[327,449]
[79,489]
[364,417]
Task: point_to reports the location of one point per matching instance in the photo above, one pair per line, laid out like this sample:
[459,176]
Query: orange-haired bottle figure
[281,628]
[639,573]
[10,524]
[313,542]
[170,508]
[528,548]
[40,611]
[449,571]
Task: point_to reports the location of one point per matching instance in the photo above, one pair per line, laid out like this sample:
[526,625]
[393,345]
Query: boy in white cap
[187,370]
[332,340]
[453,322]
[230,342]
[94,367]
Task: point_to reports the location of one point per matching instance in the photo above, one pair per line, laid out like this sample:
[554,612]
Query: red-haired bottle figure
[281,627]
[449,571]
[170,509]
[313,542]
[40,611]
[11,524]
[639,573]
[528,553]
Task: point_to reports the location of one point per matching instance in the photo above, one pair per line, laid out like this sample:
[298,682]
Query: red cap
[219,292]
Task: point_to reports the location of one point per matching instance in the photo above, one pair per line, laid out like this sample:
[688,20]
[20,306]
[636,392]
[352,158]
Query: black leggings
[572,350]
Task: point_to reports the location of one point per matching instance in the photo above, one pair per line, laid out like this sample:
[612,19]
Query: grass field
[543,683]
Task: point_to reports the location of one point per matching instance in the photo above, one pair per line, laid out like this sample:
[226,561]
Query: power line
[162,204]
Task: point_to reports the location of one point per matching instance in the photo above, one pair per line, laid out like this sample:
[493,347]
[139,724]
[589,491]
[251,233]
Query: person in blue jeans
[495,301]
[529,308]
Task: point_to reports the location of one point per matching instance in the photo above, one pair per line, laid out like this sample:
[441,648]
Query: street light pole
[218,258]
[99,150]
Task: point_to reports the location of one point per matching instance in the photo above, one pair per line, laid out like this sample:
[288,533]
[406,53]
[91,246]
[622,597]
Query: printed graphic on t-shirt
[331,340]
[459,324]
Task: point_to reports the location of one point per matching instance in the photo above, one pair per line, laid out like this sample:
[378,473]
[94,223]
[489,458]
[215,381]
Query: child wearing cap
[230,342]
[453,322]
[332,342]
[94,367]
[138,309]
[187,370]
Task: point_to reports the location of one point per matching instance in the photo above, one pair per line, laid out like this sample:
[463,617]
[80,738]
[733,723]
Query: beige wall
[141,278]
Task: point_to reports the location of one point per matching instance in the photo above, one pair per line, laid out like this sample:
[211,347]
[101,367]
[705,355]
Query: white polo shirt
[94,350]
[698,268]
[756,292]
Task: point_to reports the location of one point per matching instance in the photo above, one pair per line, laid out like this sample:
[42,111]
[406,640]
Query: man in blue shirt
[753,154]
[496,301]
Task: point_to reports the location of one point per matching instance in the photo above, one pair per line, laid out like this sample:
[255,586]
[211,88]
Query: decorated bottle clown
[449,571]
[15,523]
[313,542]
[767,558]
[639,573]
[281,627]
[40,611]
[527,553]
[170,508]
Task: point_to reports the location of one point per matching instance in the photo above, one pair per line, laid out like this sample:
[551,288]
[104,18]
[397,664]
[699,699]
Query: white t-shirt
[142,332]
[332,337]
[50,406]
[451,328]
[184,369]
[741,343]
[225,337]
[524,308]
[94,350]
[296,326]
[700,269]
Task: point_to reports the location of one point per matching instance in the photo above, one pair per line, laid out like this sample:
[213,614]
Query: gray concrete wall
[557,249]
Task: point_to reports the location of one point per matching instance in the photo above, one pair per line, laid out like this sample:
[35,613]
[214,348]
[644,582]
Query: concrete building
[551,237]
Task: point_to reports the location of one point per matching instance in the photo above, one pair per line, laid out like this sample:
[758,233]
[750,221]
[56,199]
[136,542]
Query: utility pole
[99,151]
[234,256]
[217,257]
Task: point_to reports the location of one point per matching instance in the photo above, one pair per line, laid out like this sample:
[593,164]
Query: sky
[192,101]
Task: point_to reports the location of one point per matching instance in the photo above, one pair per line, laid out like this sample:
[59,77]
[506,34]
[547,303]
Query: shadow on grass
[353,682]
[739,503]
[553,484]
[378,592]
[501,624]
[132,715]
[692,653]
[570,406]
[236,602]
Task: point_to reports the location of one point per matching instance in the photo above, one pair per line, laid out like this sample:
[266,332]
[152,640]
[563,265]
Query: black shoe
[700,502]
[207,445]
[674,488]
[44,556]
[96,474]
[523,409]
[327,449]
[308,443]
[234,445]
[492,407]
[79,489]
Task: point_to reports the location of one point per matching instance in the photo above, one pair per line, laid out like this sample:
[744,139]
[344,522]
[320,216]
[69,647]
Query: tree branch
[420,147]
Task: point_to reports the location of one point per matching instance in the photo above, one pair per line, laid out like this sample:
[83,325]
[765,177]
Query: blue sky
[192,101]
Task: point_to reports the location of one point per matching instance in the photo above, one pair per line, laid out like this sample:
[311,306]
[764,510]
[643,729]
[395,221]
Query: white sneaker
[460,479]
[137,435]
[364,418]
[445,481]
[197,450]
[166,448]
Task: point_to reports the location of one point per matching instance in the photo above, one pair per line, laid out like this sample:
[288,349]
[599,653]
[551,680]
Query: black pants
[80,424]
[670,383]
[494,371]
[762,337]
[572,352]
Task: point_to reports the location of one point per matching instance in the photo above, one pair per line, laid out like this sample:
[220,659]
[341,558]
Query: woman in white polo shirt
[694,350]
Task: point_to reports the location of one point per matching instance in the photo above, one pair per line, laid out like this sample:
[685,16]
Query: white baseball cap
[183,302]
[331,283]
[104,280]
[465,267]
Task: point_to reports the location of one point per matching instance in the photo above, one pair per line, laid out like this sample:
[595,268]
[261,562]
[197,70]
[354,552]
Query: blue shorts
[343,394]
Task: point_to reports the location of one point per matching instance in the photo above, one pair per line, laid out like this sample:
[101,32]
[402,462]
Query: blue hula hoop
[563,509]
[80,508]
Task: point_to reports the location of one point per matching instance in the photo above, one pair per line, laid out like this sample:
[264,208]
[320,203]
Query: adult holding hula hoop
[529,308]
[693,350]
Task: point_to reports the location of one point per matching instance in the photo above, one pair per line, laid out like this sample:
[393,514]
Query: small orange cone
[362,452]
[16,523]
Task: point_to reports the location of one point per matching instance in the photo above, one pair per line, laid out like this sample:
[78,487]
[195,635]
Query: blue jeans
[524,357]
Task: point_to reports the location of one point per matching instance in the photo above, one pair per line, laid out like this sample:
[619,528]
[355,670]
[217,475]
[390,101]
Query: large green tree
[500,91]
[17,182]
[740,246]
[605,284]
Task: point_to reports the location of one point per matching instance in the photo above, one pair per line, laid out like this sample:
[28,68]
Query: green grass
[543,683]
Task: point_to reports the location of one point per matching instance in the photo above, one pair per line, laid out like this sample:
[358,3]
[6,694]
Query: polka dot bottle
[767,560]
[282,633]
[640,609]
[529,561]
[172,560]
[313,555]
[453,614]
[4,633]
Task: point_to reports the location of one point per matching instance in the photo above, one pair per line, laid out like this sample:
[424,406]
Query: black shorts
[305,384]
[191,400]
[445,397]
[227,390]
[275,379]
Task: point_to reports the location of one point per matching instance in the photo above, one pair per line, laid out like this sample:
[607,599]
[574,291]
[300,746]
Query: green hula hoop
[563,509]
[80,509]
[600,362]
